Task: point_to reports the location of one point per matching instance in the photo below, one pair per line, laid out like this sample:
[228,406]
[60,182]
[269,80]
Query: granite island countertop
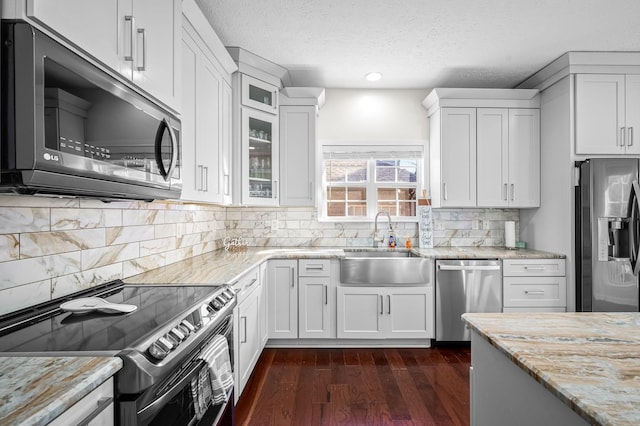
[590,361]
[36,390]
[222,267]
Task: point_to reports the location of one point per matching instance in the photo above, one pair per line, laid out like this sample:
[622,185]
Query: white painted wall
[375,115]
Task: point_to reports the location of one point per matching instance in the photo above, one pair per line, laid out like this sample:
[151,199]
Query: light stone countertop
[221,267]
[590,361]
[36,390]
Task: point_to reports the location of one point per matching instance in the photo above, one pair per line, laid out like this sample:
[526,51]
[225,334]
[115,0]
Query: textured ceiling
[421,43]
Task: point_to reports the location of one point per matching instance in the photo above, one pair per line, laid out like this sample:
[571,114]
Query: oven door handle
[152,409]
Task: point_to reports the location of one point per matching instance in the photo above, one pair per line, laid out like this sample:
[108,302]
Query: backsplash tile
[50,247]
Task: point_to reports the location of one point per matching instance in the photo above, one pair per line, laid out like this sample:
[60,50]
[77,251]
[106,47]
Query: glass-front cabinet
[259,158]
[259,95]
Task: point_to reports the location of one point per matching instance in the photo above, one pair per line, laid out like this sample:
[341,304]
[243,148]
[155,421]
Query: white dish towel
[216,355]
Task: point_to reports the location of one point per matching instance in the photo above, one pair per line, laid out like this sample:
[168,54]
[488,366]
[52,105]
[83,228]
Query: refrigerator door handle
[633,212]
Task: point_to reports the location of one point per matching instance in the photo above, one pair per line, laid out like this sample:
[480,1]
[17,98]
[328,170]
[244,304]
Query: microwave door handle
[166,173]
[634,210]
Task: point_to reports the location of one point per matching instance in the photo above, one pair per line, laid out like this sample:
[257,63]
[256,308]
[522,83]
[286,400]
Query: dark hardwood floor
[358,387]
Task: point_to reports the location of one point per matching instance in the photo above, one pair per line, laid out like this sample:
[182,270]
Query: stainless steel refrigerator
[607,235]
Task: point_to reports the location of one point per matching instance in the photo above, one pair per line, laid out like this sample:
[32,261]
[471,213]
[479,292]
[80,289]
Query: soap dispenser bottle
[392,239]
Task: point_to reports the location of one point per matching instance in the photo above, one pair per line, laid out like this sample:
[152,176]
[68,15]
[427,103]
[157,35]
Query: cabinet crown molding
[583,63]
[258,67]
[303,96]
[480,98]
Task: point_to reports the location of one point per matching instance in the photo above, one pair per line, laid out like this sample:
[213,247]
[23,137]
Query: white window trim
[366,146]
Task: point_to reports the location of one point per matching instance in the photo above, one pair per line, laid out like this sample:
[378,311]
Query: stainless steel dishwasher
[465,286]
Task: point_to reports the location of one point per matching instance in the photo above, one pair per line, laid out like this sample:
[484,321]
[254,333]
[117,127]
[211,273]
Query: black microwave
[70,128]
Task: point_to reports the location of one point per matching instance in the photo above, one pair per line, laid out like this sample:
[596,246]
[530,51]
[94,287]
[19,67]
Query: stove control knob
[160,348]
[156,351]
[224,297]
[217,304]
[229,293]
[177,334]
[165,343]
[186,324]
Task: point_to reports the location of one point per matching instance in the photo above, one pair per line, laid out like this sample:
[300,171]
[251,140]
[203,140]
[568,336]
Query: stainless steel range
[161,344]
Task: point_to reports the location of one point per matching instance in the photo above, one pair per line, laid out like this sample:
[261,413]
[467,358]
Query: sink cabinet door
[360,312]
[409,312]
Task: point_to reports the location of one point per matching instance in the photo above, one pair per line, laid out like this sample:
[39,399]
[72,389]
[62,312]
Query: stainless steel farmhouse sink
[385,268]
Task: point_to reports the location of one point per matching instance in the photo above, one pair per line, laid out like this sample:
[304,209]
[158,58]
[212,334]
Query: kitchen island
[37,390]
[555,368]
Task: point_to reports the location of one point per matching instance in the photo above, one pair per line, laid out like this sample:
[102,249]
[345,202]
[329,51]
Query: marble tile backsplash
[299,226]
[50,247]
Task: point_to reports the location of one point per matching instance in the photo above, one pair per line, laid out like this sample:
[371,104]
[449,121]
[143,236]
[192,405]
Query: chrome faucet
[375,229]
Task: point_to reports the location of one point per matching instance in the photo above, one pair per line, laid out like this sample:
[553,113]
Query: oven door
[172,402]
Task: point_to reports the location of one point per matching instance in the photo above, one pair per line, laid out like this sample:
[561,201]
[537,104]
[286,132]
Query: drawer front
[533,267]
[548,309]
[314,267]
[534,292]
[246,283]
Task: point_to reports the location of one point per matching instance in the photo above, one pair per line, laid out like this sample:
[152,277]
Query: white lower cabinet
[95,409]
[282,298]
[248,335]
[385,312]
[316,297]
[534,285]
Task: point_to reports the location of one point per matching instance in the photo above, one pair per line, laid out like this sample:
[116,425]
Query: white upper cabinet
[455,146]
[508,157]
[259,94]
[484,147]
[139,39]
[156,46]
[206,111]
[297,155]
[524,158]
[260,158]
[607,114]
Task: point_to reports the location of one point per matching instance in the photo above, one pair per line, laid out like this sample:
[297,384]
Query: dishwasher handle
[469,267]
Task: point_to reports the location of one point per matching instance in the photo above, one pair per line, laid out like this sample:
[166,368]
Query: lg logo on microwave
[50,157]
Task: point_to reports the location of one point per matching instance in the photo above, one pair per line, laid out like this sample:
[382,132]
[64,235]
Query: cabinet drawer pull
[630,137]
[314,267]
[326,294]
[513,191]
[293,277]
[389,304]
[253,281]
[534,268]
[505,196]
[103,403]
[533,292]
[622,143]
[381,305]
[444,190]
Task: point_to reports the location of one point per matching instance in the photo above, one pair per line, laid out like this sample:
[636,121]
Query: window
[357,185]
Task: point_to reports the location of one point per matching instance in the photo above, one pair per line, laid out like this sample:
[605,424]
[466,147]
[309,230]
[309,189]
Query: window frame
[371,185]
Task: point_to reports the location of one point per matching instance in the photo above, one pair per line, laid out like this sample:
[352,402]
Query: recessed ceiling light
[373,76]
